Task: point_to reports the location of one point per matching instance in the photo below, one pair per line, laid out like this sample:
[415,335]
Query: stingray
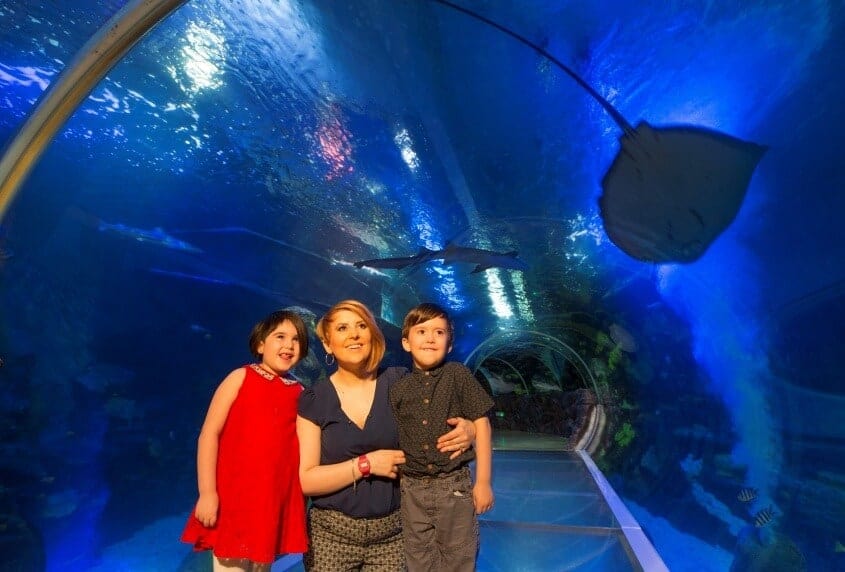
[623,339]
[671,190]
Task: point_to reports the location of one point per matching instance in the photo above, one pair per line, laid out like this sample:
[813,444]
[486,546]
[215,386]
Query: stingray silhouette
[671,190]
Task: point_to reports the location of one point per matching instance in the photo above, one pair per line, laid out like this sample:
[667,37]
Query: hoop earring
[329,359]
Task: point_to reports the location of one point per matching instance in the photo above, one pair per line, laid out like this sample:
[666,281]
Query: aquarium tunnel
[633,212]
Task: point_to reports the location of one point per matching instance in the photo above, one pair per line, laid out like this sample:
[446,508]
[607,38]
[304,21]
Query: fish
[481,258]
[397,263]
[764,517]
[545,387]
[200,330]
[839,547]
[671,190]
[497,384]
[198,278]
[623,339]
[156,236]
[747,495]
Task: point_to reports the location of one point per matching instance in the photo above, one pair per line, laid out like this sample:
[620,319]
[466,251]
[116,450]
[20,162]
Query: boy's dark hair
[266,326]
[423,313]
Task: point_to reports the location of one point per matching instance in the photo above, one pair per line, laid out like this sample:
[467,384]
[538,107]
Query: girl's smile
[280,350]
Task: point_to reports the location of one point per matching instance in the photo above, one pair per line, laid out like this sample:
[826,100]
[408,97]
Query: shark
[481,258]
[156,236]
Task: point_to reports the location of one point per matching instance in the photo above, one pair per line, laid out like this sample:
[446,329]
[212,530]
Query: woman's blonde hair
[377,343]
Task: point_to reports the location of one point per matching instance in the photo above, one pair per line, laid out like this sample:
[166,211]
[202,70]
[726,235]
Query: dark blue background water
[283,141]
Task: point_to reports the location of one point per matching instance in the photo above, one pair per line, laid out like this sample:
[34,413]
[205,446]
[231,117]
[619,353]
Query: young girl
[250,506]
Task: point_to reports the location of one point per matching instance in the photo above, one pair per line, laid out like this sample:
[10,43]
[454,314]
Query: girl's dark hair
[266,326]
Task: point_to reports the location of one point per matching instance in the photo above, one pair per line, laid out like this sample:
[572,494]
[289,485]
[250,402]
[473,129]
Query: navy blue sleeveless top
[342,440]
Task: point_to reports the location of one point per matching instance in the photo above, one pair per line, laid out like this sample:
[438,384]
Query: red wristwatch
[364,466]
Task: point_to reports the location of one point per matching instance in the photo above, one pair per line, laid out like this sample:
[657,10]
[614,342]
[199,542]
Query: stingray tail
[614,113]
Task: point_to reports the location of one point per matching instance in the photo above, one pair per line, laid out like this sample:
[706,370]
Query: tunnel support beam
[74,83]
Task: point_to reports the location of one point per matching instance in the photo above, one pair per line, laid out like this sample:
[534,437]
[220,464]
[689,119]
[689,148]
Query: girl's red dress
[262,510]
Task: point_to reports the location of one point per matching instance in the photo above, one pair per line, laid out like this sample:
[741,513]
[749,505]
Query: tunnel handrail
[90,64]
[644,551]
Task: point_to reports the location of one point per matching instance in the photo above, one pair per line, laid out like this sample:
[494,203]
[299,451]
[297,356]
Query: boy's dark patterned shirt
[422,401]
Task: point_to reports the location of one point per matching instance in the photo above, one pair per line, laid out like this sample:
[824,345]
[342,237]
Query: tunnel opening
[541,385]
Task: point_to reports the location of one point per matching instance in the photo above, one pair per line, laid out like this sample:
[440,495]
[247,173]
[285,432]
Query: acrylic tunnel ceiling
[255,154]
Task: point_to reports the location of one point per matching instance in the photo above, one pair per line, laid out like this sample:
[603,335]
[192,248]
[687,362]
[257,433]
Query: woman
[349,456]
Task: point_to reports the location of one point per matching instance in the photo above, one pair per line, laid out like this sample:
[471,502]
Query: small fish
[747,495]
[839,547]
[764,517]
[201,330]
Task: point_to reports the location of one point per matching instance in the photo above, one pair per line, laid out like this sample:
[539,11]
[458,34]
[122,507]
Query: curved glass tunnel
[243,156]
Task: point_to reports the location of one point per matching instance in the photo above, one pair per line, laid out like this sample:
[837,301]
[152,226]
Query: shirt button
[425,421]
[425,400]
[425,447]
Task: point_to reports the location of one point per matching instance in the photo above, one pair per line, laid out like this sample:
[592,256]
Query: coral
[779,555]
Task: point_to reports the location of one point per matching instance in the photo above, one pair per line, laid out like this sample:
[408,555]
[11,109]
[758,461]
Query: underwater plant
[625,435]
[614,358]
[602,341]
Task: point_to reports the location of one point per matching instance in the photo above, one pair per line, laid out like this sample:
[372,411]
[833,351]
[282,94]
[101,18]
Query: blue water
[244,155]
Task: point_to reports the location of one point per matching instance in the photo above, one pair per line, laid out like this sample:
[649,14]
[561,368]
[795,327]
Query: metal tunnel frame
[93,61]
[597,422]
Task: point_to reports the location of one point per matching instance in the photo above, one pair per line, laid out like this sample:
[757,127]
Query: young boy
[439,503]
